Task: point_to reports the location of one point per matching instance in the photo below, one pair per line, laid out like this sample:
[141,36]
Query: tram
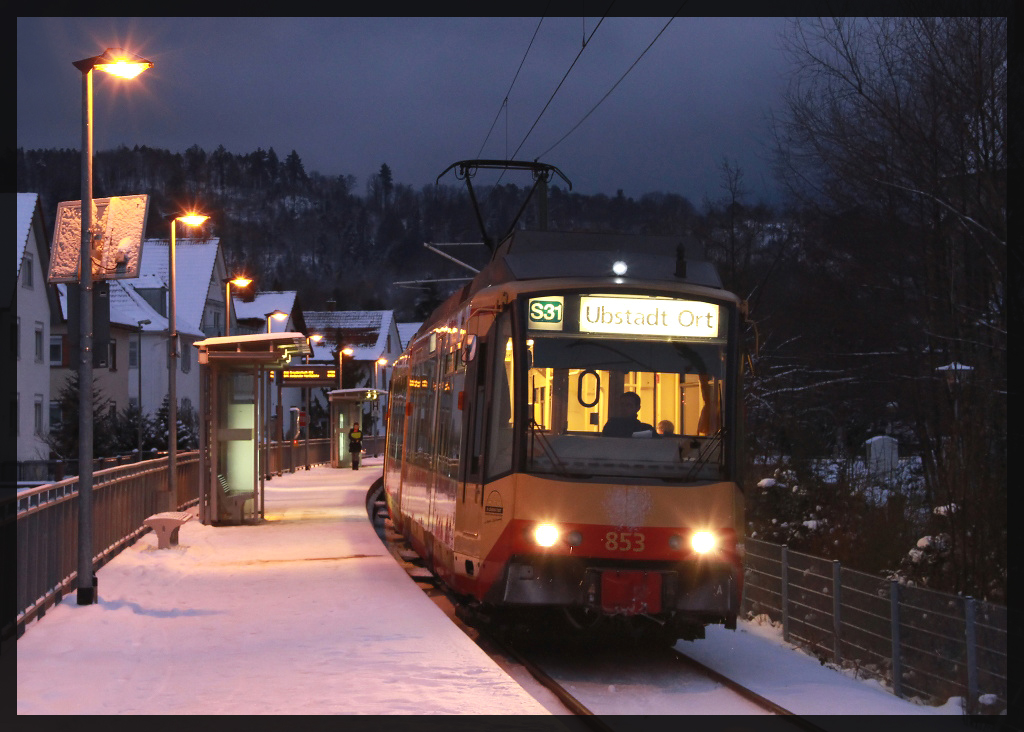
[564,433]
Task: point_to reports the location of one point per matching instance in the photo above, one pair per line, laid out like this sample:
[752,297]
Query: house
[406,331]
[34,310]
[256,314]
[138,359]
[375,342]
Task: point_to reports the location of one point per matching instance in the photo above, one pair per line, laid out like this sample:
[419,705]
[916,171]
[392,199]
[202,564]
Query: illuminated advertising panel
[648,316]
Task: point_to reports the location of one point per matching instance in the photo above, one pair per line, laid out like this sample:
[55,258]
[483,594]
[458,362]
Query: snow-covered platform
[305,613]
[308,613]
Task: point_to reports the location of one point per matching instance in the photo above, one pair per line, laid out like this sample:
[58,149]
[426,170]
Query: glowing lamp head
[316,337]
[192,219]
[619,268]
[124,68]
[241,281]
[545,534]
[703,542]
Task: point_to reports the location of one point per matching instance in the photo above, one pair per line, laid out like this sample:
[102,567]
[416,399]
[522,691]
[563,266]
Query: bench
[231,504]
[165,525]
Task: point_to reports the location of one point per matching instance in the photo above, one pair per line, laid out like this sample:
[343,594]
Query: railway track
[559,671]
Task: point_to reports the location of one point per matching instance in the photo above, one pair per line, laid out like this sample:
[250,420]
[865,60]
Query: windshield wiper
[537,432]
[705,453]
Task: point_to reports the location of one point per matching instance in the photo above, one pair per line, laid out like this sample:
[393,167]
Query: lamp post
[170,501]
[311,339]
[278,315]
[381,363]
[238,281]
[117,62]
[138,365]
[346,351]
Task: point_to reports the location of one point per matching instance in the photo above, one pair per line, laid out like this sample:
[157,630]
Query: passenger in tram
[624,423]
[666,428]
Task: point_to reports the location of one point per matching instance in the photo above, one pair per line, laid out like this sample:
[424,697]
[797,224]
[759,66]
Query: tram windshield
[625,407]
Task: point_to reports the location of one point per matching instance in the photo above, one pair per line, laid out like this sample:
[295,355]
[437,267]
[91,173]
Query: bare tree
[894,133]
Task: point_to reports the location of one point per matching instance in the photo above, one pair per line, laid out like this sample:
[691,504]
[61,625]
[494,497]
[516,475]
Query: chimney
[332,305]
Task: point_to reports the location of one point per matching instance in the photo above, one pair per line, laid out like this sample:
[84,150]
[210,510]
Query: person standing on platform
[355,445]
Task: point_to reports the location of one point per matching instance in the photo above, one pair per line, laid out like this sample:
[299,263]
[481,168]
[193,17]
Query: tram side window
[500,428]
[397,413]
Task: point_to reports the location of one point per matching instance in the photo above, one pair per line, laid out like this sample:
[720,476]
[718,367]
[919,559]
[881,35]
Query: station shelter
[233,386]
[347,409]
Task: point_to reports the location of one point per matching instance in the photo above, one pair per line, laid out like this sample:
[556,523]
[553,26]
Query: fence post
[894,613]
[785,593]
[970,606]
[837,651]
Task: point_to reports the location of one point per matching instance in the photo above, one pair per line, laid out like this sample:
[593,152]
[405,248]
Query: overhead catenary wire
[564,77]
[504,103]
[608,93]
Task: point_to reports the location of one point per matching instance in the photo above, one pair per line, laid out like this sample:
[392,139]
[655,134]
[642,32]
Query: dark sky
[421,93]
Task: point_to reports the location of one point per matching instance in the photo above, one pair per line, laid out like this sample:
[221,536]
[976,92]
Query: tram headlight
[545,534]
[703,542]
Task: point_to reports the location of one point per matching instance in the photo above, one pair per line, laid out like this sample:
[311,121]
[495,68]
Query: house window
[56,350]
[133,354]
[55,414]
[186,357]
[39,342]
[112,364]
[27,279]
[38,415]
[16,338]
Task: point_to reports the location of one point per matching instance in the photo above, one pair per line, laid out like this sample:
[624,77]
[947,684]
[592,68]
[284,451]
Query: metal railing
[45,519]
[47,526]
[288,456]
[922,643]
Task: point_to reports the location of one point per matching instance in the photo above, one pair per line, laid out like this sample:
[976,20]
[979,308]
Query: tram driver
[624,422]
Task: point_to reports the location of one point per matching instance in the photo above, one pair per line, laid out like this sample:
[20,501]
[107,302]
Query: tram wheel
[581,618]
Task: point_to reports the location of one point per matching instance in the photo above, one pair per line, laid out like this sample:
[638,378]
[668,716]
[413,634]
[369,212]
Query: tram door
[469,498]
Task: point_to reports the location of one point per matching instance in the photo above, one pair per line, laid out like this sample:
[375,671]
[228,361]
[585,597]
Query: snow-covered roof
[27,203]
[263,303]
[364,331]
[128,307]
[406,331]
[195,261]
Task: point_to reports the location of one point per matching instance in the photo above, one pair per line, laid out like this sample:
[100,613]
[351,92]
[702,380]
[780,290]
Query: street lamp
[277,315]
[238,281]
[189,219]
[117,62]
[346,351]
[311,339]
[375,408]
[138,365]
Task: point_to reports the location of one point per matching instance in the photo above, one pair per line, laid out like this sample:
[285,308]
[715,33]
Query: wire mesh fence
[921,643]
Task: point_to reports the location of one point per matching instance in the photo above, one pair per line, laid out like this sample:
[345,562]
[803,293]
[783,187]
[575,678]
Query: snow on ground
[305,613]
[308,613]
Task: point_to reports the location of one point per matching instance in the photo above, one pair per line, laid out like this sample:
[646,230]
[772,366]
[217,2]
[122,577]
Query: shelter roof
[269,350]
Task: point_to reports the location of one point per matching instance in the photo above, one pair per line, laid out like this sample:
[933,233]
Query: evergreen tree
[63,437]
